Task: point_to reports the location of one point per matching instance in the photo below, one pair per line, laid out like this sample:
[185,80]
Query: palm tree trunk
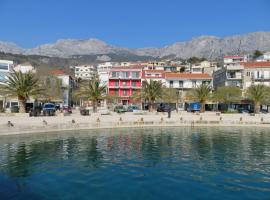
[257,107]
[22,105]
[151,106]
[202,107]
[94,106]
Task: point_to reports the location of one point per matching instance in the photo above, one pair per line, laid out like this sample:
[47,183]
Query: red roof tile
[234,56]
[256,64]
[57,72]
[188,76]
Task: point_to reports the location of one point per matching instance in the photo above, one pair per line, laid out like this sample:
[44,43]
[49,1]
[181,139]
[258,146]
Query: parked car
[245,111]
[104,111]
[119,109]
[163,108]
[194,107]
[48,109]
[84,111]
[14,109]
[67,109]
[264,112]
[133,108]
[35,112]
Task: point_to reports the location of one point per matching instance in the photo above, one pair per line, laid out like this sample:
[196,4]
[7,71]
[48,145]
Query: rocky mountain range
[204,46]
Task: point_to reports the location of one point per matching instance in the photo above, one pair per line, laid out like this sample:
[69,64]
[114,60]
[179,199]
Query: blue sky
[129,23]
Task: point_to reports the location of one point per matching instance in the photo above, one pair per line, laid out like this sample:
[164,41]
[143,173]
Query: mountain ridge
[207,46]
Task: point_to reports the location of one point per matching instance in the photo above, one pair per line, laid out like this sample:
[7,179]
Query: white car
[104,111]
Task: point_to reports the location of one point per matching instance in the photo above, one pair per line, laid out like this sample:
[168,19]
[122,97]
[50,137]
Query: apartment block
[125,82]
[85,72]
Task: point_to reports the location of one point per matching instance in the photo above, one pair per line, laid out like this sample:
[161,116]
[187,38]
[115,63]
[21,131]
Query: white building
[155,75]
[84,72]
[256,73]
[186,81]
[155,65]
[6,67]
[234,60]
[264,57]
[229,75]
[103,71]
[24,68]
[243,75]
[203,67]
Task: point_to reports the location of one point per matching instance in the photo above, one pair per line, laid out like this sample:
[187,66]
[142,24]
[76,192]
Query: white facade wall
[256,76]
[6,67]
[187,83]
[264,57]
[24,68]
[103,71]
[84,72]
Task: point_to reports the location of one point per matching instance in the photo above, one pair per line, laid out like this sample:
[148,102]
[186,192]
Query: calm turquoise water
[174,163]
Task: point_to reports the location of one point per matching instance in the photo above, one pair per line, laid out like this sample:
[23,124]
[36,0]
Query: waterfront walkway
[22,123]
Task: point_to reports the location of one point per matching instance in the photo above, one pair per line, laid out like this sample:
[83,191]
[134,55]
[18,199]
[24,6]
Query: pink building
[124,82]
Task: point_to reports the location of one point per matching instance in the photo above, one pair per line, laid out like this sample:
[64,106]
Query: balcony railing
[125,77]
[113,86]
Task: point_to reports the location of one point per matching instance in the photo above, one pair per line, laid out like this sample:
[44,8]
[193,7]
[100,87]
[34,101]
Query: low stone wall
[62,123]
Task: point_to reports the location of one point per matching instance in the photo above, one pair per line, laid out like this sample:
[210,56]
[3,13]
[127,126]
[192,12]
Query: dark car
[67,109]
[163,108]
[84,111]
[35,111]
[48,109]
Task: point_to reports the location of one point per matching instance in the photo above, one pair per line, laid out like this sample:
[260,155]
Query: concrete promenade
[22,123]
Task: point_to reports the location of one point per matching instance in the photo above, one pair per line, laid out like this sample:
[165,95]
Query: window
[194,83]
[124,83]
[115,74]
[171,84]
[248,73]
[181,84]
[125,74]
[116,92]
[125,93]
[116,84]
[205,82]
[135,74]
[133,83]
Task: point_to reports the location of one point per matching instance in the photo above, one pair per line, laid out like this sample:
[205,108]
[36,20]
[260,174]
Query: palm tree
[21,85]
[227,95]
[258,94]
[152,91]
[94,91]
[201,94]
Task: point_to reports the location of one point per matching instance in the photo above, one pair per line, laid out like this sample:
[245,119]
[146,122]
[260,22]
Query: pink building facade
[125,82]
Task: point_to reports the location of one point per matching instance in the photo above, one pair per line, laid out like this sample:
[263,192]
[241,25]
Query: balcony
[261,79]
[125,77]
[125,86]
[234,75]
[136,86]
[114,86]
